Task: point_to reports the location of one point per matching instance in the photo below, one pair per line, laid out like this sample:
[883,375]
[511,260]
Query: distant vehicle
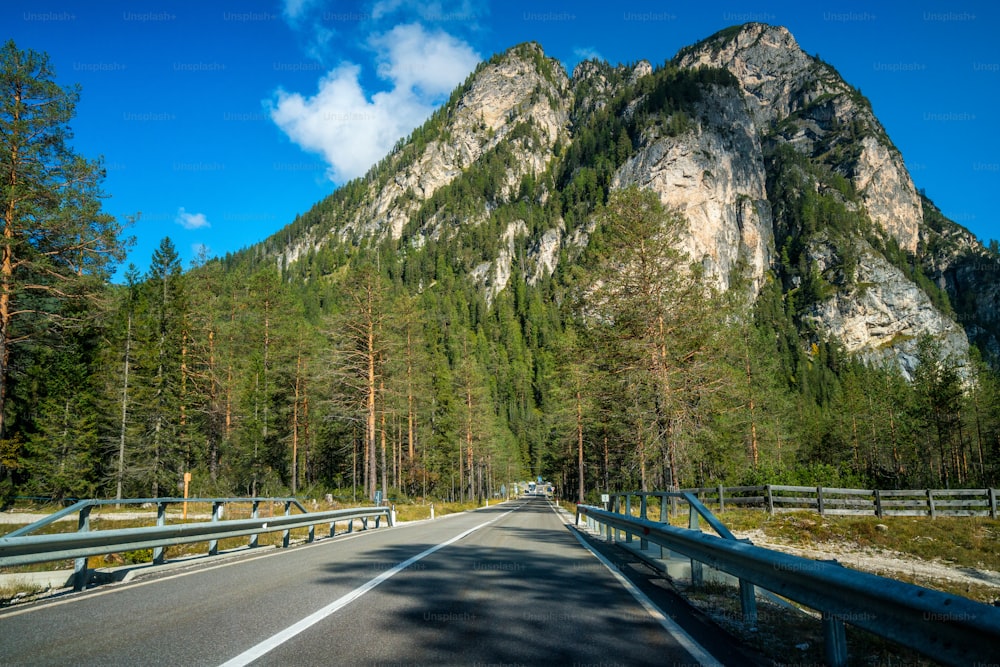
[540,489]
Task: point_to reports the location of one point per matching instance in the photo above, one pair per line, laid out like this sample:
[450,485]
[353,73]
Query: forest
[377,365]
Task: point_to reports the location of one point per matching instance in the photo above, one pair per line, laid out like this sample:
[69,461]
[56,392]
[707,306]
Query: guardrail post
[213,545]
[628,513]
[770,499]
[286,535]
[693,519]
[748,603]
[697,573]
[819,501]
[643,542]
[930,504]
[664,518]
[80,572]
[878,503]
[722,500]
[991,493]
[253,514]
[835,641]
[159,553]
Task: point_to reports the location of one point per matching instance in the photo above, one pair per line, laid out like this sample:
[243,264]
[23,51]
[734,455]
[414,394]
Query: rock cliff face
[808,101]
[715,176]
[526,141]
[881,314]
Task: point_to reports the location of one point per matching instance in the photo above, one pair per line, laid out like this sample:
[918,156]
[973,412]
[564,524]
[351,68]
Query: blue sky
[220,121]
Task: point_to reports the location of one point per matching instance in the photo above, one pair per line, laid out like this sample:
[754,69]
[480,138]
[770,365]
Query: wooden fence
[854,502]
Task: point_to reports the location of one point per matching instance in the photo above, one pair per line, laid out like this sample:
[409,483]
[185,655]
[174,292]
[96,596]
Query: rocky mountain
[780,167]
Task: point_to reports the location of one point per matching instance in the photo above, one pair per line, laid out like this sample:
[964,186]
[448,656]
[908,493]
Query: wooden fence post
[722,500]
[930,504]
[819,500]
[770,500]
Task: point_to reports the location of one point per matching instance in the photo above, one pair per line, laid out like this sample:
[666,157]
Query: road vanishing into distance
[506,585]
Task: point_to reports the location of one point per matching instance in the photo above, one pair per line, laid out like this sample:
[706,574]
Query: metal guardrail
[21,547]
[948,628]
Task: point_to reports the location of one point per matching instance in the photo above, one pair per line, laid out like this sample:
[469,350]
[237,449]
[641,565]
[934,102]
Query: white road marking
[280,638]
[687,642]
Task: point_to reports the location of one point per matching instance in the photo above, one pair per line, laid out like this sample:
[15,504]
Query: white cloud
[191,220]
[352,129]
[294,9]
[433,11]
[587,53]
[411,58]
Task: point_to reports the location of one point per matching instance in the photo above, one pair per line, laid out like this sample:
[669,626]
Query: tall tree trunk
[579,447]
[7,264]
[371,389]
[213,401]
[185,441]
[754,448]
[385,468]
[306,436]
[295,425]
[468,433]
[410,417]
[120,473]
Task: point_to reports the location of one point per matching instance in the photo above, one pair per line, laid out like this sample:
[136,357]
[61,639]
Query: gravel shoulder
[882,562]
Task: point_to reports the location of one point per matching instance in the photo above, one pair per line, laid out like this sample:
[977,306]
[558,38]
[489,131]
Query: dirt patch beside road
[892,564]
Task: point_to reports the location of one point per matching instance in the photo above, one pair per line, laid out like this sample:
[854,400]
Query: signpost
[187,482]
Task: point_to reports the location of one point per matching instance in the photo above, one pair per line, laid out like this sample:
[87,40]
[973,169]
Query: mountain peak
[766,59]
[800,100]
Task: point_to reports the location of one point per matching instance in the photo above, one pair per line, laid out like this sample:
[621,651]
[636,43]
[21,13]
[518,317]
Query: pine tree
[57,246]
[939,406]
[653,318]
[158,373]
[361,350]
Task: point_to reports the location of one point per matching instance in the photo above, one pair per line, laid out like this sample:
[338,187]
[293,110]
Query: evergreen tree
[939,411]
[361,349]
[57,246]
[157,459]
[652,313]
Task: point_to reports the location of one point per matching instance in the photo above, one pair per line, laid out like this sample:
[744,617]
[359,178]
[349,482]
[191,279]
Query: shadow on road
[510,593]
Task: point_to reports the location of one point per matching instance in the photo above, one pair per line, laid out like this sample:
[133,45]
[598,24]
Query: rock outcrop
[880,314]
[714,175]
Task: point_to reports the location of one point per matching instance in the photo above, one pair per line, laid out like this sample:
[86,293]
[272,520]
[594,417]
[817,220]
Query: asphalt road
[508,585]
